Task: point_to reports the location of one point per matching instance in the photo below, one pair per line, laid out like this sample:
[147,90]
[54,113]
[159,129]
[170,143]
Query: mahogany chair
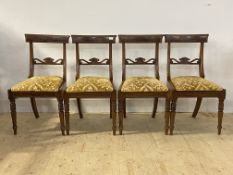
[41,86]
[92,86]
[142,86]
[191,86]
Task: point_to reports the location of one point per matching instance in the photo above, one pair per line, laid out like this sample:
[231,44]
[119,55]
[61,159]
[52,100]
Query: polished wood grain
[93,39]
[42,38]
[186,38]
[140,38]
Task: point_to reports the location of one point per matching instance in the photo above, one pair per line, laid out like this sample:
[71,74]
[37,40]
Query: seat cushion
[39,84]
[91,84]
[193,83]
[143,84]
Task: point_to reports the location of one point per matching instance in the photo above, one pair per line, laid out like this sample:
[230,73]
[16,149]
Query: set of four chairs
[131,87]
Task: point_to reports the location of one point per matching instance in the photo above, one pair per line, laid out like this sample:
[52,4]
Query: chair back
[94,39]
[187,38]
[140,39]
[41,38]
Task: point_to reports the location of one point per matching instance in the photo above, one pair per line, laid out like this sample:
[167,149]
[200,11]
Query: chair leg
[155,107]
[61,115]
[167,115]
[113,112]
[34,107]
[172,115]
[197,107]
[124,108]
[79,108]
[120,108]
[67,115]
[220,115]
[13,115]
[111,109]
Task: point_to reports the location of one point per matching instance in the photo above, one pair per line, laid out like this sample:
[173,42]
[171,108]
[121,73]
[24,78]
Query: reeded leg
[167,115]
[155,107]
[220,115]
[111,108]
[120,108]
[13,115]
[113,111]
[67,115]
[34,108]
[124,108]
[61,115]
[79,108]
[172,115]
[197,107]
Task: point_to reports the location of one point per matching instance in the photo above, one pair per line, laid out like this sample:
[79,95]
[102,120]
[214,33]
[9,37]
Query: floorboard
[91,149]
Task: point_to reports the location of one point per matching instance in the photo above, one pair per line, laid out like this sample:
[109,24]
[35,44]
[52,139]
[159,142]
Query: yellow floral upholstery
[91,84]
[143,84]
[39,84]
[193,83]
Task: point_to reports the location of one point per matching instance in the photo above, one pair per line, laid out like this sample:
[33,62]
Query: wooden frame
[144,39]
[39,38]
[92,39]
[191,38]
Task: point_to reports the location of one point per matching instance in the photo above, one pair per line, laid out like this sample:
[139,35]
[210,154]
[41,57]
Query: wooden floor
[91,149]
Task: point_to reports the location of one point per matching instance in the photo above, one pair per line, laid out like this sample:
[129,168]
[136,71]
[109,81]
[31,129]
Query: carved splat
[140,60]
[48,60]
[184,60]
[94,61]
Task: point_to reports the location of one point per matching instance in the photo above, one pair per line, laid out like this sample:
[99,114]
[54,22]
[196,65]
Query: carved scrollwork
[94,61]
[140,60]
[48,60]
[184,60]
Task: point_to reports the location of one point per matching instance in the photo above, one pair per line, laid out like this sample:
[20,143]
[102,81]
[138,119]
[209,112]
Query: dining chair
[41,86]
[191,86]
[92,86]
[142,86]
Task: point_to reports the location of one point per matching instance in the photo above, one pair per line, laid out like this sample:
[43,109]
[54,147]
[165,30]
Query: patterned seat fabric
[193,83]
[91,84]
[39,84]
[143,84]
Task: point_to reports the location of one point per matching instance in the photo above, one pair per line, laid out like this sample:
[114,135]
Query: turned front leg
[220,114]
[61,115]
[13,115]
[172,116]
[67,115]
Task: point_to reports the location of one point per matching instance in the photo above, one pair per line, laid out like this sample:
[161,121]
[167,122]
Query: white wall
[115,17]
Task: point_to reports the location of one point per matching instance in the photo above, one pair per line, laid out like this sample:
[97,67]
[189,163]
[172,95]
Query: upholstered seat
[91,84]
[143,84]
[39,84]
[193,83]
